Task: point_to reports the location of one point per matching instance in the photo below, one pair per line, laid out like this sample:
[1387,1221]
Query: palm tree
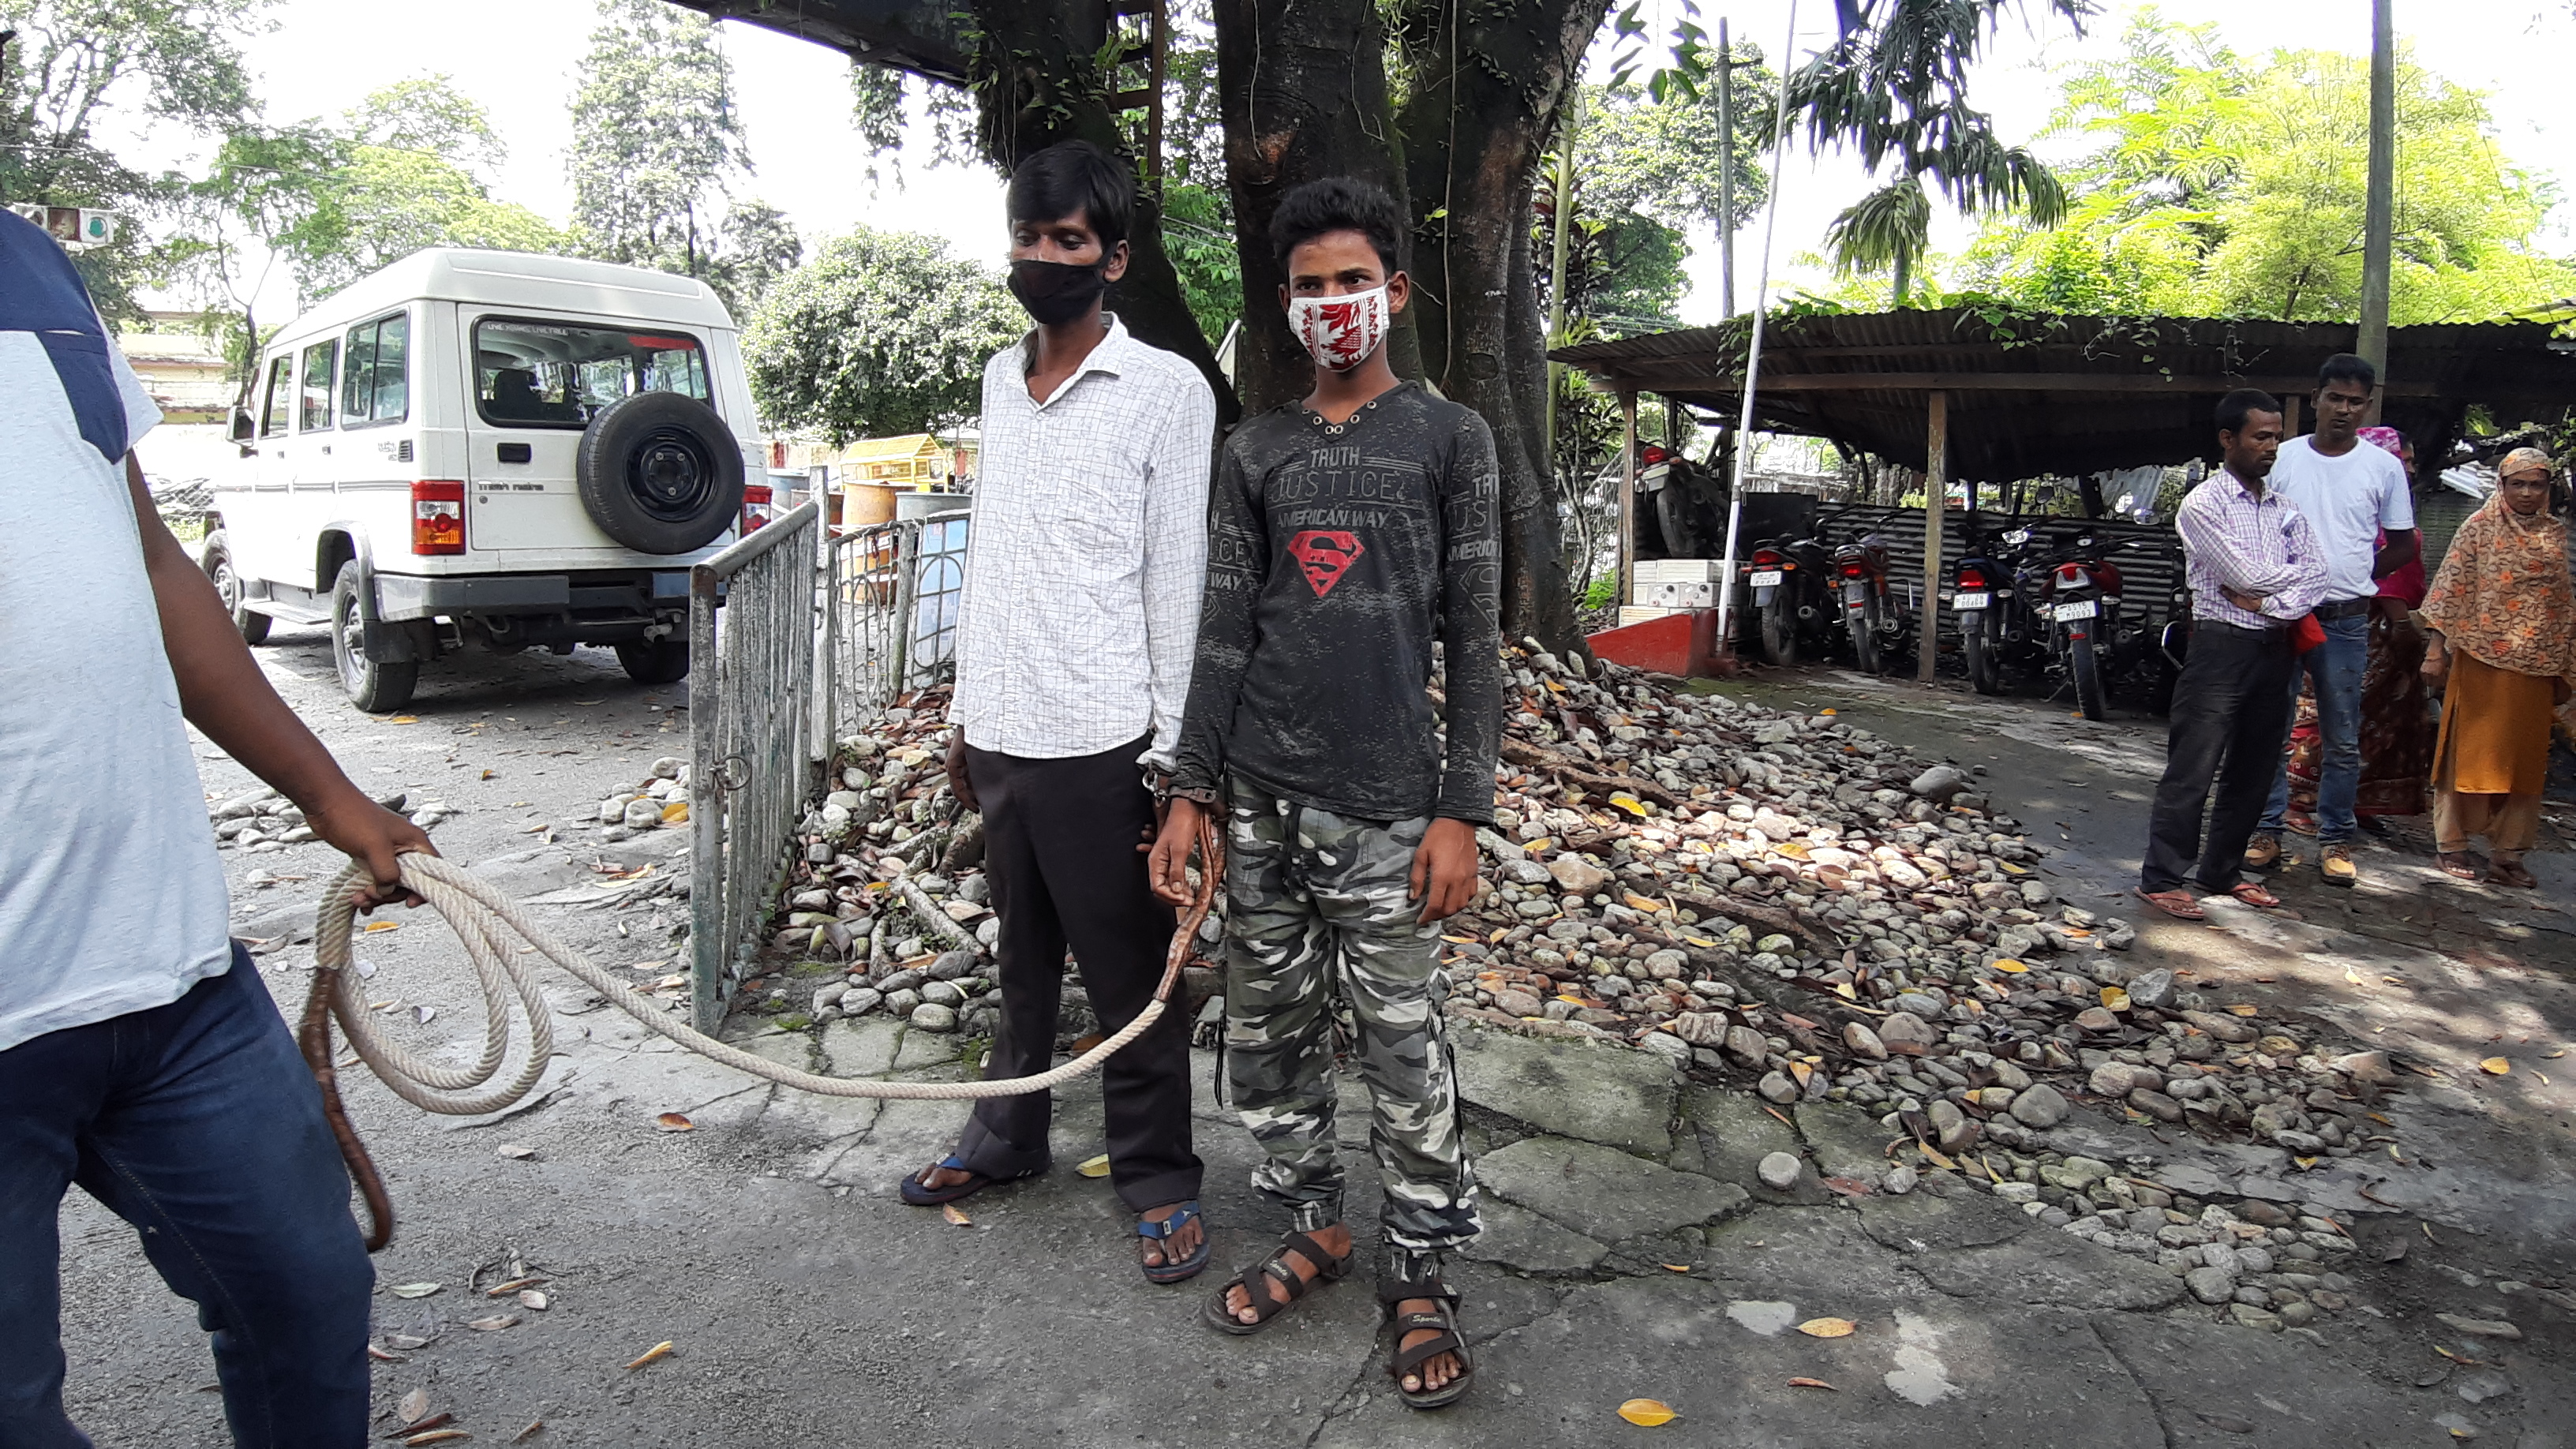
[1894,88]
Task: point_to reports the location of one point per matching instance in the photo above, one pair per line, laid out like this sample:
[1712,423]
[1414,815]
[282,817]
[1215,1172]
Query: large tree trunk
[1303,85]
[1488,85]
[1036,84]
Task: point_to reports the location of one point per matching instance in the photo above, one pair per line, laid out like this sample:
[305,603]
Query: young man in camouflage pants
[1349,532]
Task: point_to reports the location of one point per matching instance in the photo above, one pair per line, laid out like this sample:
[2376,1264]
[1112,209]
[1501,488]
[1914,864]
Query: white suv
[493,449]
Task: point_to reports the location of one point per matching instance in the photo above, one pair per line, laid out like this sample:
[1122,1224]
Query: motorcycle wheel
[1673,520]
[1864,638]
[1985,657]
[2084,663]
[1779,632]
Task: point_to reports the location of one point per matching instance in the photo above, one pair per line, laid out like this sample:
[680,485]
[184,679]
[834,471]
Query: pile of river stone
[260,821]
[660,799]
[1772,897]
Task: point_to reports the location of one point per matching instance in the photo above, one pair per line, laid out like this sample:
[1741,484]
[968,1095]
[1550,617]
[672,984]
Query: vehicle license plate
[2080,609]
[1968,601]
[1764,579]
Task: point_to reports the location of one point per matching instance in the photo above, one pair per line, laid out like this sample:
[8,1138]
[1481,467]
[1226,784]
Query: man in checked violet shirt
[1074,641]
[2255,571]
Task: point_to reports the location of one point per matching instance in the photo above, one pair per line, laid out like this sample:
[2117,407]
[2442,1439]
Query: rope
[479,913]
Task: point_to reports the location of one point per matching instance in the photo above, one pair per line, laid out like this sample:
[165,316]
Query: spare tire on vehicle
[660,473]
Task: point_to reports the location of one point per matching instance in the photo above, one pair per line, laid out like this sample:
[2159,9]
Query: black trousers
[2231,713]
[1060,854]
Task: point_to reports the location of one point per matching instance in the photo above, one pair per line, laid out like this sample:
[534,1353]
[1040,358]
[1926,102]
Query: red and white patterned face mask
[1340,332]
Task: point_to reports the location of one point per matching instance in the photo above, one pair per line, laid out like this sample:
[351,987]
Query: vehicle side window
[372,373]
[280,394]
[313,406]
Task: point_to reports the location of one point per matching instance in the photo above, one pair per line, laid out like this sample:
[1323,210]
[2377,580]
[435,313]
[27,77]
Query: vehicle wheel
[655,661]
[370,685]
[1864,638]
[660,473]
[1673,520]
[1985,657]
[217,561]
[2084,662]
[1779,632]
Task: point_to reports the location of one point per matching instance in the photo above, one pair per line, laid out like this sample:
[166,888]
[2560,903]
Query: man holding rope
[1073,660]
[139,1055]
[1350,534]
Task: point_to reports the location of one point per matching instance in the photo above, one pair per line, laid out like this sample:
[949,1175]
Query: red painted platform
[1682,644]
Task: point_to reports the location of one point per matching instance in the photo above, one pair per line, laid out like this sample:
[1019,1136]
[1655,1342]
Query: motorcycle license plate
[1969,601]
[1855,593]
[2080,609]
[1764,578]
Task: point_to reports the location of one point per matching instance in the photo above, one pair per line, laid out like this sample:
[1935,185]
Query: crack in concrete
[2164,1424]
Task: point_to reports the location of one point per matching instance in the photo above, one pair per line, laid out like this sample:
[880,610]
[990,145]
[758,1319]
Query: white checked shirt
[2254,545]
[1080,610]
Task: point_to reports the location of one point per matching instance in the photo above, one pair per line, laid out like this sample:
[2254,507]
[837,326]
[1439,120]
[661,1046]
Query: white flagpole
[1753,353]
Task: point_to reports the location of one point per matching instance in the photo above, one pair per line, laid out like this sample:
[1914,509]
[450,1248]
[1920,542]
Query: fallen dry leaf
[414,1406]
[676,813]
[2008,964]
[493,1324]
[2114,999]
[955,1215]
[1810,1384]
[654,1354]
[384,925]
[1095,1166]
[1676,1267]
[1647,1413]
[674,1122]
[515,1151]
[406,1340]
[2497,1066]
[404,719]
[1621,799]
[1644,903]
[504,1290]
[380,1354]
[413,1290]
[437,1436]
[2242,1009]
[1829,1328]
[533,1298]
[439,1420]
[535,1427]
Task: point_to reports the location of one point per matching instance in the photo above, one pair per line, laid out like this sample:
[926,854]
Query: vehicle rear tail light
[756,507]
[437,517]
[1766,558]
[1971,579]
[2068,573]
[1852,570]
[1653,454]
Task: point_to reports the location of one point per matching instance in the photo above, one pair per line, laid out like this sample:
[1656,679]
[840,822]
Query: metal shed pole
[1936,504]
[1627,500]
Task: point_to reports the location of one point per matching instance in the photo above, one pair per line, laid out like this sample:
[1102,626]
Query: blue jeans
[198,1123]
[2336,666]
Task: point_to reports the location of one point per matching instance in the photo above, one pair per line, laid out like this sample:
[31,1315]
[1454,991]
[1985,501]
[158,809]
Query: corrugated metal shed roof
[2034,395]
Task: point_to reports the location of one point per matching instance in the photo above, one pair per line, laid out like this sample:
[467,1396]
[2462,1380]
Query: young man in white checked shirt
[1074,644]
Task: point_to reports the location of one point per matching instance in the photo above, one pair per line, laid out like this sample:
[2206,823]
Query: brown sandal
[1264,1301]
[2253,895]
[2458,864]
[2511,873]
[2175,903]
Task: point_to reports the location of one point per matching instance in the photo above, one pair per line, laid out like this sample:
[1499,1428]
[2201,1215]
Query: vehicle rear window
[280,395]
[372,382]
[313,407]
[560,374]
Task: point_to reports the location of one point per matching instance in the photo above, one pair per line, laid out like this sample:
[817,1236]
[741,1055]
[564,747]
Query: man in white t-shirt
[2352,496]
[139,1054]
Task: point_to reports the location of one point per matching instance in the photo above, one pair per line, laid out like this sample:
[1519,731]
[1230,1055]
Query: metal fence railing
[751,687]
[889,617]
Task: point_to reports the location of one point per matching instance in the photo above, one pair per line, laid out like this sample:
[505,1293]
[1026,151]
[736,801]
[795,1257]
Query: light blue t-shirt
[2347,501]
[111,897]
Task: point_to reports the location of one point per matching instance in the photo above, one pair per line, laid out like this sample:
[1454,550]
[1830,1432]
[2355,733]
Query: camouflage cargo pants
[1316,906]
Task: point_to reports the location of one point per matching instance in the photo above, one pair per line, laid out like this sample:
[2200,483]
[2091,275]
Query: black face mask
[1057,292]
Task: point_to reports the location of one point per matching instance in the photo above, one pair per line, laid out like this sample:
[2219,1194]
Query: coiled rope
[479,913]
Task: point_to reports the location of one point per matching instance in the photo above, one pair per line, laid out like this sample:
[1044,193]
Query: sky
[517,57]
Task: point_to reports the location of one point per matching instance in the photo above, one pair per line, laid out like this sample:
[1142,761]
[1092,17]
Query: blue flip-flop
[918,1195]
[1186,1268]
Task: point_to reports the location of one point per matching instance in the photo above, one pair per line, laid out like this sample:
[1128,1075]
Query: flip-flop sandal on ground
[2253,895]
[2458,864]
[1264,1300]
[1168,1271]
[919,1195]
[1443,1321]
[2511,873]
[2177,904]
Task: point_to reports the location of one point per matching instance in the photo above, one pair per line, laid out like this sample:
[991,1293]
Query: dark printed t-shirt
[1336,554]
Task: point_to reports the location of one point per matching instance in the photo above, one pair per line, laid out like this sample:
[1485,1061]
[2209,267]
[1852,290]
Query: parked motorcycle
[2078,595]
[1792,587]
[1873,615]
[1993,622]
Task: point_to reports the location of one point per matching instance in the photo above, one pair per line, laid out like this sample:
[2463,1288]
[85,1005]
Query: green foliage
[76,61]
[2221,186]
[883,333]
[655,136]
[1198,232]
[1659,159]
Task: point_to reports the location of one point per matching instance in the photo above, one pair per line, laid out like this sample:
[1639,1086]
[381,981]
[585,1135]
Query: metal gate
[889,617]
[751,687]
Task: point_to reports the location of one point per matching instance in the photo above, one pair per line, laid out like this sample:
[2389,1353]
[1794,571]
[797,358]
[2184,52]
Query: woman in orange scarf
[2503,612]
